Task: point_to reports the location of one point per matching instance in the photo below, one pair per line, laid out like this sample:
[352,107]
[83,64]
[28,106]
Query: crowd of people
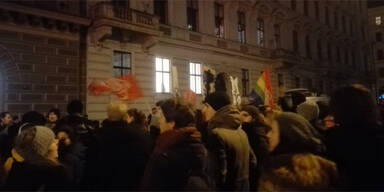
[221,147]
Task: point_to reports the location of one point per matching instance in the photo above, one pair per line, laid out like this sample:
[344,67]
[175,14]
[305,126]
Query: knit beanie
[217,100]
[43,139]
[309,110]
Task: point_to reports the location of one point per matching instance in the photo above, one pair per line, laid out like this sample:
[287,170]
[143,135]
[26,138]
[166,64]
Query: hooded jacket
[232,150]
[297,135]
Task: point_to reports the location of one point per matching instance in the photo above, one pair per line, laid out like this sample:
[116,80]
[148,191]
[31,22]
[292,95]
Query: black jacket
[26,176]
[117,157]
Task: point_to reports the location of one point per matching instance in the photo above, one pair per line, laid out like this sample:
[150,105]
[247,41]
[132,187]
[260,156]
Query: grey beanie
[43,139]
[309,110]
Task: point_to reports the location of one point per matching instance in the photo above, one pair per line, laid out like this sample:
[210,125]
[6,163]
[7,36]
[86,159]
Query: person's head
[36,142]
[323,109]
[353,105]
[309,110]
[33,118]
[175,114]
[249,113]
[6,118]
[214,102]
[117,111]
[154,110]
[300,172]
[75,106]
[66,136]
[136,117]
[53,115]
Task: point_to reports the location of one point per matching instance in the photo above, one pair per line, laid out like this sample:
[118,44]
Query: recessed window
[308,47]
[277,35]
[380,55]
[219,20]
[317,13]
[280,80]
[378,20]
[327,15]
[260,32]
[121,64]
[195,77]
[306,8]
[161,10]
[163,75]
[293,4]
[192,14]
[245,81]
[379,37]
[297,82]
[295,41]
[381,72]
[241,26]
[319,50]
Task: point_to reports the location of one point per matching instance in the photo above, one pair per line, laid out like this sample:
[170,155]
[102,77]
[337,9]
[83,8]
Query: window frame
[260,32]
[245,82]
[196,75]
[241,27]
[295,40]
[162,74]
[219,20]
[121,67]
[193,15]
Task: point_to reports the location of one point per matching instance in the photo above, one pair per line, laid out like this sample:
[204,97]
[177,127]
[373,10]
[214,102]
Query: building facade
[311,44]
[376,25]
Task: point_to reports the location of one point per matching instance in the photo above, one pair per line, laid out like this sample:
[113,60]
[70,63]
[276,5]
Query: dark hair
[354,105]
[3,114]
[256,116]
[217,100]
[56,111]
[75,106]
[324,110]
[139,117]
[179,112]
[33,118]
[68,130]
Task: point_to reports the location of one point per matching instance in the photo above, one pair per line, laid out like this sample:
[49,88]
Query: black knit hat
[217,100]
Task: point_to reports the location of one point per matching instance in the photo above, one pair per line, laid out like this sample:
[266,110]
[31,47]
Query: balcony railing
[126,15]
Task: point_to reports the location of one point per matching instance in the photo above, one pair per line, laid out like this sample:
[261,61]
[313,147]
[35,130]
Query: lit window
[163,75]
[121,64]
[195,77]
[378,20]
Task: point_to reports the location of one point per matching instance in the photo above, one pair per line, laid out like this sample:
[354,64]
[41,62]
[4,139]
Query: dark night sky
[375,3]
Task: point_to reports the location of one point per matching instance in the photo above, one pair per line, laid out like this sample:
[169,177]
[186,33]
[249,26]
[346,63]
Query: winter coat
[358,151]
[116,157]
[234,154]
[73,158]
[297,135]
[178,163]
[41,175]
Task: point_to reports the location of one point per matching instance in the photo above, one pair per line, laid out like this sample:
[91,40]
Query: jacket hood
[227,117]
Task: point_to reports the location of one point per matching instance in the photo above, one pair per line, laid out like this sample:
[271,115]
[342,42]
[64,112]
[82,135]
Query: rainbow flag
[262,93]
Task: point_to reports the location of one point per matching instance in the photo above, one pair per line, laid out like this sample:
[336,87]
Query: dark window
[293,4]
[354,60]
[329,52]
[192,14]
[309,83]
[317,13]
[327,15]
[260,32]
[319,50]
[344,24]
[346,58]
[380,55]
[219,20]
[241,26]
[160,7]
[308,47]
[280,80]
[245,81]
[305,7]
[351,27]
[321,87]
[295,42]
[378,37]
[120,8]
[336,21]
[363,33]
[121,63]
[277,35]
[338,54]
[381,72]
[297,82]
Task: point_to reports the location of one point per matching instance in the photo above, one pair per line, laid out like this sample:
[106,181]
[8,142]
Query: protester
[357,142]
[230,143]
[299,172]
[309,110]
[6,120]
[72,154]
[118,153]
[256,128]
[179,159]
[137,119]
[33,165]
[53,118]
